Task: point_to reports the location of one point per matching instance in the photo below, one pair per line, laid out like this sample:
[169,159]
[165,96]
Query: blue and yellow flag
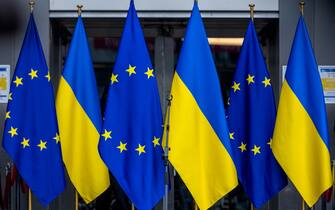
[131,135]
[199,137]
[251,120]
[31,134]
[79,119]
[300,141]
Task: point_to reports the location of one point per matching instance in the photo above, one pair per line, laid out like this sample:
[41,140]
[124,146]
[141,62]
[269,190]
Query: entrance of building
[164,38]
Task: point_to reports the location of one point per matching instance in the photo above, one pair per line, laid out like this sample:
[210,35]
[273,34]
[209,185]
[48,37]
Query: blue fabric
[197,70]
[303,77]
[133,116]
[32,113]
[251,120]
[80,75]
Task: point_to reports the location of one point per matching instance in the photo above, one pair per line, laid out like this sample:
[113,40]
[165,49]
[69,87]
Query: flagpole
[333,191]
[166,156]
[252,10]
[30,206]
[196,206]
[251,206]
[132,207]
[79,11]
[302,4]
[31,5]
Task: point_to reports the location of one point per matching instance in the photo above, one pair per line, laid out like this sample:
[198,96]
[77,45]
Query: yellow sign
[4,83]
[327,74]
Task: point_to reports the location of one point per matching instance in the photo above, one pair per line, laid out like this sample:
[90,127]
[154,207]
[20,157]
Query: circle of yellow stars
[122,147]
[13,131]
[236,87]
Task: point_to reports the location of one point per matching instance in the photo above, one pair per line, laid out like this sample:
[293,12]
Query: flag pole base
[76,201]
[30,206]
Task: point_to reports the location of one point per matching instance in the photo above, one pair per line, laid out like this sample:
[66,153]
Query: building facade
[164,24]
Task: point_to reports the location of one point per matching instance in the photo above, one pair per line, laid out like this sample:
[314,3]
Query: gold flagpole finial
[302,4]
[252,9]
[31,5]
[79,9]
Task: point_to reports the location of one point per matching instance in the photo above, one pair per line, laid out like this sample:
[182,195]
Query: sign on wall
[4,83]
[327,75]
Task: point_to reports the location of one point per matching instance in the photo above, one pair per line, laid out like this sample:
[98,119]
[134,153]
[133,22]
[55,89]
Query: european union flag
[31,134]
[130,143]
[251,119]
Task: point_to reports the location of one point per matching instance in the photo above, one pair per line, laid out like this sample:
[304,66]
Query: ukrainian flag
[300,141]
[198,137]
[79,120]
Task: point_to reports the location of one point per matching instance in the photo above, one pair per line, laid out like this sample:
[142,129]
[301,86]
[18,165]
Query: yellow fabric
[299,148]
[196,152]
[79,142]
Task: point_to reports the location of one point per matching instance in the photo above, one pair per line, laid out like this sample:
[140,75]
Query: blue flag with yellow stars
[131,135]
[31,134]
[251,119]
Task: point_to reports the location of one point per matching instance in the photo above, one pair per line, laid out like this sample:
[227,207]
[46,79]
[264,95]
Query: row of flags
[211,149]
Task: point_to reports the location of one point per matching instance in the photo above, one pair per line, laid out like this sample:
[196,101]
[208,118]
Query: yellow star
[250,79]
[18,81]
[140,149]
[25,143]
[33,74]
[131,70]
[42,145]
[122,147]
[156,141]
[256,150]
[266,82]
[8,115]
[243,147]
[48,76]
[57,138]
[10,96]
[114,78]
[270,143]
[107,135]
[236,86]
[149,73]
[231,136]
[13,132]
